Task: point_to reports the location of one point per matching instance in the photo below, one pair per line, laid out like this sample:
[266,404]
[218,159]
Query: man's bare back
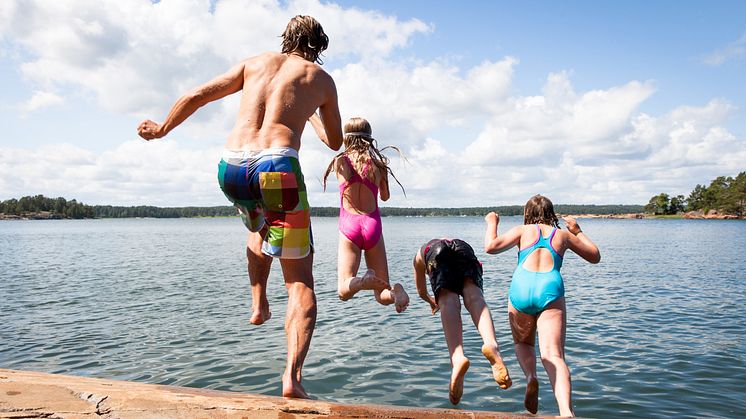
[280,93]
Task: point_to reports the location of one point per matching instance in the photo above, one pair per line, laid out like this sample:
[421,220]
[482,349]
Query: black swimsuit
[448,262]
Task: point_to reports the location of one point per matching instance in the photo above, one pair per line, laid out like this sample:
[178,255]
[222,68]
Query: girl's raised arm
[579,243]
[496,244]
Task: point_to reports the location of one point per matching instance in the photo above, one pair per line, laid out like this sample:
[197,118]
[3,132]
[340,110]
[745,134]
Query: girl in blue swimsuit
[537,293]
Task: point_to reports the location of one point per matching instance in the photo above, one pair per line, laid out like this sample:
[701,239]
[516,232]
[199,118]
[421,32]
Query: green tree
[696,200]
[658,204]
[678,203]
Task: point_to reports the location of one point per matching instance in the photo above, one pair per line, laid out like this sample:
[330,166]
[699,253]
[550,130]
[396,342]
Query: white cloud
[733,51]
[540,129]
[40,100]
[135,173]
[137,57]
[405,101]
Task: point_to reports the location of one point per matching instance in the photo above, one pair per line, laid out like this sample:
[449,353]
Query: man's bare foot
[260,316]
[401,298]
[292,388]
[531,401]
[499,371]
[456,387]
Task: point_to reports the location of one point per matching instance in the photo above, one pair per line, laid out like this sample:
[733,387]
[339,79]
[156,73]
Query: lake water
[657,329]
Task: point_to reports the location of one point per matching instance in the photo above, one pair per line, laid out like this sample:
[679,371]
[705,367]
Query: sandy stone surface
[26,394]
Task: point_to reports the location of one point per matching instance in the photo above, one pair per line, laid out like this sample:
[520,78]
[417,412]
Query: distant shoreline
[692,215]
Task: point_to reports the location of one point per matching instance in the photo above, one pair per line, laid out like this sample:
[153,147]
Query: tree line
[73,209]
[59,207]
[727,195]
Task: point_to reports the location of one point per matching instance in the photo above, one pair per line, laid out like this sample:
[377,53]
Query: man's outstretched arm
[219,87]
[331,121]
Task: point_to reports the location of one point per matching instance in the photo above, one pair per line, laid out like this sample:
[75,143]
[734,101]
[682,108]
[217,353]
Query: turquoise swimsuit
[530,292]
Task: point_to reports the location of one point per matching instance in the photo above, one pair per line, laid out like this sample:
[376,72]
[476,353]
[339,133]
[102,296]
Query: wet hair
[305,35]
[539,210]
[358,139]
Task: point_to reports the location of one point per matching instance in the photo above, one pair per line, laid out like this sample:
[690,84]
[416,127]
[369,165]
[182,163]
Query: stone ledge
[26,394]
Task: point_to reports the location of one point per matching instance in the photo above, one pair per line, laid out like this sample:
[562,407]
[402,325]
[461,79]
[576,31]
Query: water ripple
[657,329]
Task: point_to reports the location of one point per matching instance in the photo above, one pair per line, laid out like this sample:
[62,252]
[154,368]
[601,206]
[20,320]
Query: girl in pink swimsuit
[362,172]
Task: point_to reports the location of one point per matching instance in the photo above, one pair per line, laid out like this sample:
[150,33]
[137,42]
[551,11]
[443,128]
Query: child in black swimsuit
[454,271]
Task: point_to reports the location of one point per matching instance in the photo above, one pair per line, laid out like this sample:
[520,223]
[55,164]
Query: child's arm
[419,280]
[495,244]
[383,186]
[579,243]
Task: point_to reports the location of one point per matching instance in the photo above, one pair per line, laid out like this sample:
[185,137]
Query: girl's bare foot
[531,401]
[369,281]
[499,371]
[348,288]
[456,387]
[401,298]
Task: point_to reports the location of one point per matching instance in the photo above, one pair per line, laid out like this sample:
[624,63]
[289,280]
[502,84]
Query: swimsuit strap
[353,177]
[541,241]
[355,174]
[364,172]
[551,236]
[545,242]
[360,177]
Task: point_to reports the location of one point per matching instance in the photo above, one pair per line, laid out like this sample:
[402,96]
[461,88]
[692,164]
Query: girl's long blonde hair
[358,139]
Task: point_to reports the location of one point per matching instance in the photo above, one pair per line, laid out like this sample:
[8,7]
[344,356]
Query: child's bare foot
[348,288]
[259,316]
[499,371]
[456,387]
[401,298]
[369,281]
[531,401]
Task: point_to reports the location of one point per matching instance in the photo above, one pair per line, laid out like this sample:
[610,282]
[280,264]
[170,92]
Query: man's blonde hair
[305,35]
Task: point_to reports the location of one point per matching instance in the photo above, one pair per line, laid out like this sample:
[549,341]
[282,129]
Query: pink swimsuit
[364,230]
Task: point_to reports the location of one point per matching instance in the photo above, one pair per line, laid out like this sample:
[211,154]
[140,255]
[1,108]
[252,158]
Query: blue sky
[492,102]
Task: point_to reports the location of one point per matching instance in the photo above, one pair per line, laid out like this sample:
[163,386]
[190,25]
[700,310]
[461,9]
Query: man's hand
[149,130]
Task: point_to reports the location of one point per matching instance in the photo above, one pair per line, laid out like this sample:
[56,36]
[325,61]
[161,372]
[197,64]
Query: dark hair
[539,210]
[306,36]
[357,138]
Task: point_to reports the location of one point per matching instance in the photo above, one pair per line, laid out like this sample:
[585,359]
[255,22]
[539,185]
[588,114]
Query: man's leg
[258,266]
[523,327]
[480,315]
[450,316]
[300,321]
[551,327]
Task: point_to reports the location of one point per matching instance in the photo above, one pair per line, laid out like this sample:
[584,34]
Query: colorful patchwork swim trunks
[267,187]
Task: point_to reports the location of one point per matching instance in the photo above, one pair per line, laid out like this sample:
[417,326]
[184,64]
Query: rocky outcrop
[40,215]
[25,394]
[710,215]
